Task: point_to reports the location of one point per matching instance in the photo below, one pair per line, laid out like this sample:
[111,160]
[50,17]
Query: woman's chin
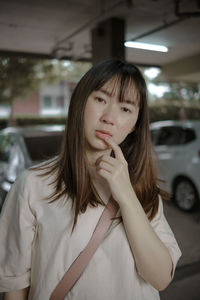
[101,147]
[96,147]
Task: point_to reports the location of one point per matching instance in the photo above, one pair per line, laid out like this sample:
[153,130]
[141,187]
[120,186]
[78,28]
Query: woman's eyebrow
[107,93]
[129,101]
[134,102]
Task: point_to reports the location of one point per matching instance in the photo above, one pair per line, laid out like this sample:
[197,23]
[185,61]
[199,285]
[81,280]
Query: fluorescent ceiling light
[146,46]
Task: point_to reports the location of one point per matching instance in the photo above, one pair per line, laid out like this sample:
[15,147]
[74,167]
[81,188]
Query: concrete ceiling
[63,27]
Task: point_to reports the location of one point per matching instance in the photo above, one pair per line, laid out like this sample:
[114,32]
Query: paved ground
[185,289]
[186,227]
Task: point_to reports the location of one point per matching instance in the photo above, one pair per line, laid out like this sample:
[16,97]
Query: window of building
[47,101]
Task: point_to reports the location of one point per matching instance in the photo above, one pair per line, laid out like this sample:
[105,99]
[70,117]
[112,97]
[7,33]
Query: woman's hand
[115,171]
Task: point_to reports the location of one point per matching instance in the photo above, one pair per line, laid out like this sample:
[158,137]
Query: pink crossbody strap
[81,262]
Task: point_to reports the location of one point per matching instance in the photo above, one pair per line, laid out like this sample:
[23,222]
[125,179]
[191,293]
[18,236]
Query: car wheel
[185,195]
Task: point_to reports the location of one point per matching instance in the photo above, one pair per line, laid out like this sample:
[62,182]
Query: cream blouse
[37,247]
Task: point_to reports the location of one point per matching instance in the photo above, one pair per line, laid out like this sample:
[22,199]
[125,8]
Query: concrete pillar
[108,40]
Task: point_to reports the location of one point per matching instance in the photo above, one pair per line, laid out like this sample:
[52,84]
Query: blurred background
[47,46]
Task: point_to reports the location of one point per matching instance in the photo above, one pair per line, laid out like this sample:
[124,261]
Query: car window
[154,135]
[170,135]
[43,146]
[189,135]
[5,147]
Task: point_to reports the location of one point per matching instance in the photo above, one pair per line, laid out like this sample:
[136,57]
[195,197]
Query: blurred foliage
[71,71]
[172,110]
[34,120]
[173,91]
[19,76]
[183,91]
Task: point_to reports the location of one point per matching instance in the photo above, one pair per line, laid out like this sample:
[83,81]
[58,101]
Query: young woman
[52,210]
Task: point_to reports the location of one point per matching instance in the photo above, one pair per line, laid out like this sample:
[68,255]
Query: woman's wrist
[128,200]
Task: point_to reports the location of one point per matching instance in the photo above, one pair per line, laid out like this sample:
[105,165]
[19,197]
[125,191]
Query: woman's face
[106,115]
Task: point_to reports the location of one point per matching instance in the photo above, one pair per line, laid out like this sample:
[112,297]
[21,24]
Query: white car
[22,147]
[177,147]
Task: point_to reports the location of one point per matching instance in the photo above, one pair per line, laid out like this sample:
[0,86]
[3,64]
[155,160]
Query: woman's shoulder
[37,177]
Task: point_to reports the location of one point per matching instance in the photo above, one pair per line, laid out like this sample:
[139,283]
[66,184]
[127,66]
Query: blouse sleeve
[17,228]
[164,232]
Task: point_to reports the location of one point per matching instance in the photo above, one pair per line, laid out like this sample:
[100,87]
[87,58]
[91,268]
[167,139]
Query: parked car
[23,147]
[177,145]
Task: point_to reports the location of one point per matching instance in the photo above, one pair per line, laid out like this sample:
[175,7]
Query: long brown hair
[72,177]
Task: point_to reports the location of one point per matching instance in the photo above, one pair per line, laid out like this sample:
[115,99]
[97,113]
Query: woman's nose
[109,115]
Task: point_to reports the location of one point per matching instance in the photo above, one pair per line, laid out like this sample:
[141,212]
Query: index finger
[117,150]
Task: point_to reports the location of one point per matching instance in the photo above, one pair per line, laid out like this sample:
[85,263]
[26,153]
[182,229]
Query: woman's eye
[99,99]
[125,109]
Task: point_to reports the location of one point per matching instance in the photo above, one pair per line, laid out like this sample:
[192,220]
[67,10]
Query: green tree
[19,76]
[69,70]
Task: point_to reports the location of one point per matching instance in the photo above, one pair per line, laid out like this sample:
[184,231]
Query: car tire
[185,195]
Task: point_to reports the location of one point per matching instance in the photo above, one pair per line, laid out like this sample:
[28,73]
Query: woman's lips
[102,134]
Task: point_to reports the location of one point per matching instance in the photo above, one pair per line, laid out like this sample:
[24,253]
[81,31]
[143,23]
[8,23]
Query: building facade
[50,100]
